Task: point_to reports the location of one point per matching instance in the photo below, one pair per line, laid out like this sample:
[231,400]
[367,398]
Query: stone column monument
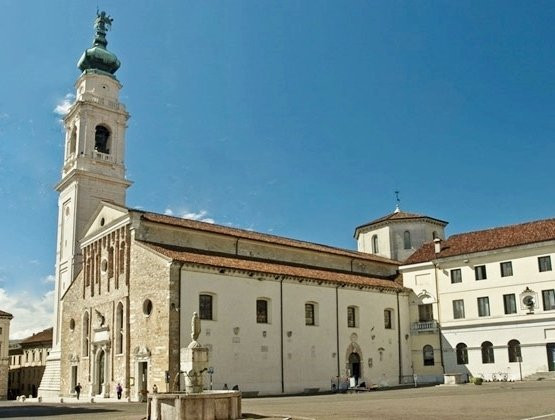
[195,403]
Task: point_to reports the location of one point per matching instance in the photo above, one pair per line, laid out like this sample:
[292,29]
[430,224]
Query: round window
[147,307]
[71,324]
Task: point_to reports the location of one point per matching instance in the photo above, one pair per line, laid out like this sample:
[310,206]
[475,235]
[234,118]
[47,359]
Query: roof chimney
[437,245]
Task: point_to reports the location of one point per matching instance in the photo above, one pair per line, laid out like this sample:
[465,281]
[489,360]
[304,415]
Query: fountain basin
[206,405]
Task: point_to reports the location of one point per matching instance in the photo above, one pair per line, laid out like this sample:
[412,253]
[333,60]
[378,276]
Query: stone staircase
[541,376]
[50,383]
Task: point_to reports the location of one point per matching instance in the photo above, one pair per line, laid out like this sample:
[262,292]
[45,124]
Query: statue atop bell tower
[93,170]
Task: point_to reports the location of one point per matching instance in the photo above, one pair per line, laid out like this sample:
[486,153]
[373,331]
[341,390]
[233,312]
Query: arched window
[119,328]
[72,141]
[406,240]
[428,354]
[352,316]
[102,139]
[311,313]
[388,319]
[462,354]
[514,351]
[487,352]
[263,311]
[375,248]
[86,328]
[206,307]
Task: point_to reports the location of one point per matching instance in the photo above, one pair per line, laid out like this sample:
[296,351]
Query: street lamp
[210,372]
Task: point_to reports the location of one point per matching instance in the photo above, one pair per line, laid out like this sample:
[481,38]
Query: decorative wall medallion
[354,337]
[236,330]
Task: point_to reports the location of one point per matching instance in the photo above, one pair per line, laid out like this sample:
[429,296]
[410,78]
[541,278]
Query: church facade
[278,315]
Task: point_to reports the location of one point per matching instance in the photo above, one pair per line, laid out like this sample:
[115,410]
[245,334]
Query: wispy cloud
[200,216]
[30,313]
[48,279]
[62,108]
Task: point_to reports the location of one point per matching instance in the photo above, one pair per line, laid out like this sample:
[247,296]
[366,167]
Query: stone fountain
[195,402]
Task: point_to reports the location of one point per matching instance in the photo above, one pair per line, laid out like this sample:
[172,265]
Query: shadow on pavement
[31,411]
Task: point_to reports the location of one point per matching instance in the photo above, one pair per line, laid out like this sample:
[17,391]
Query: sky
[296,118]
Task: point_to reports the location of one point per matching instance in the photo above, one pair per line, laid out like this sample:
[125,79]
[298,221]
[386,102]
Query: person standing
[119,390]
[78,388]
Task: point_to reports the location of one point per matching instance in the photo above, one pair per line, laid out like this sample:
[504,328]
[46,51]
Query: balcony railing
[424,326]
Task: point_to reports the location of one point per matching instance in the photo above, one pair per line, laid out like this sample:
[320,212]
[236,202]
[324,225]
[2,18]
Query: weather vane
[398,205]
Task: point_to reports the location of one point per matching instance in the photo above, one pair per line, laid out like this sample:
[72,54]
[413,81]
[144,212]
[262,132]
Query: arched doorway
[354,366]
[100,371]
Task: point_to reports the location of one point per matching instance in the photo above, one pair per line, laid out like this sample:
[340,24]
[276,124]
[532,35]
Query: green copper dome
[98,59]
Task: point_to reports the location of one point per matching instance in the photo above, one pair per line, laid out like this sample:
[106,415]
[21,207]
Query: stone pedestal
[194,362]
[454,378]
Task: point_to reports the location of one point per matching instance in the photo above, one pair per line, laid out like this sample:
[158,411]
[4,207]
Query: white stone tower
[93,171]
[398,234]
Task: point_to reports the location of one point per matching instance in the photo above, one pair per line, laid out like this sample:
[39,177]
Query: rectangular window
[506,269]
[483,306]
[548,299]
[458,309]
[544,263]
[351,317]
[425,312]
[205,307]
[388,324]
[456,276]
[262,311]
[480,272]
[309,313]
[509,302]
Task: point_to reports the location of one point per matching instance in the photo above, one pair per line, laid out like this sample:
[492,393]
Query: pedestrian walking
[119,390]
[78,388]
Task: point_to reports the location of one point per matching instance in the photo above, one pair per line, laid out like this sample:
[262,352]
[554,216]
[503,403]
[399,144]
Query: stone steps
[540,376]
[50,383]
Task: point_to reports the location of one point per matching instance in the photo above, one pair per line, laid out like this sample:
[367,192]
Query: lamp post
[210,372]
[519,360]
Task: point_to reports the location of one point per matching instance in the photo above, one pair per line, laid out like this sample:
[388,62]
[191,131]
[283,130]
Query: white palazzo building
[484,303]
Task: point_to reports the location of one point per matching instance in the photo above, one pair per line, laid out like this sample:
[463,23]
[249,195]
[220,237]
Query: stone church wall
[153,338]
[246,353]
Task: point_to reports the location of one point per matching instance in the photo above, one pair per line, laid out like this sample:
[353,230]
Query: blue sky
[297,118]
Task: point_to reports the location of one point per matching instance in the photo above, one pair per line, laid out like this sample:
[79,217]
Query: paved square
[500,400]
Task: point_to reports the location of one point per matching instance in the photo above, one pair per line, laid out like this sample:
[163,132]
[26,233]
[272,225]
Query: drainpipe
[337,332]
[399,341]
[281,333]
[179,323]
[438,324]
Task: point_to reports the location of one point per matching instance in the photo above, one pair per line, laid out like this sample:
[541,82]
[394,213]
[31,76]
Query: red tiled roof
[399,215]
[273,268]
[487,240]
[43,336]
[255,236]
[5,314]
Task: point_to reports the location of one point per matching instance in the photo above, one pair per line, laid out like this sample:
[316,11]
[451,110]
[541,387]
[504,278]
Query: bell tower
[93,171]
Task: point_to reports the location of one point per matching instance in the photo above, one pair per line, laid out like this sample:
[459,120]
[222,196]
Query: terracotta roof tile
[255,236]
[273,268]
[487,240]
[43,336]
